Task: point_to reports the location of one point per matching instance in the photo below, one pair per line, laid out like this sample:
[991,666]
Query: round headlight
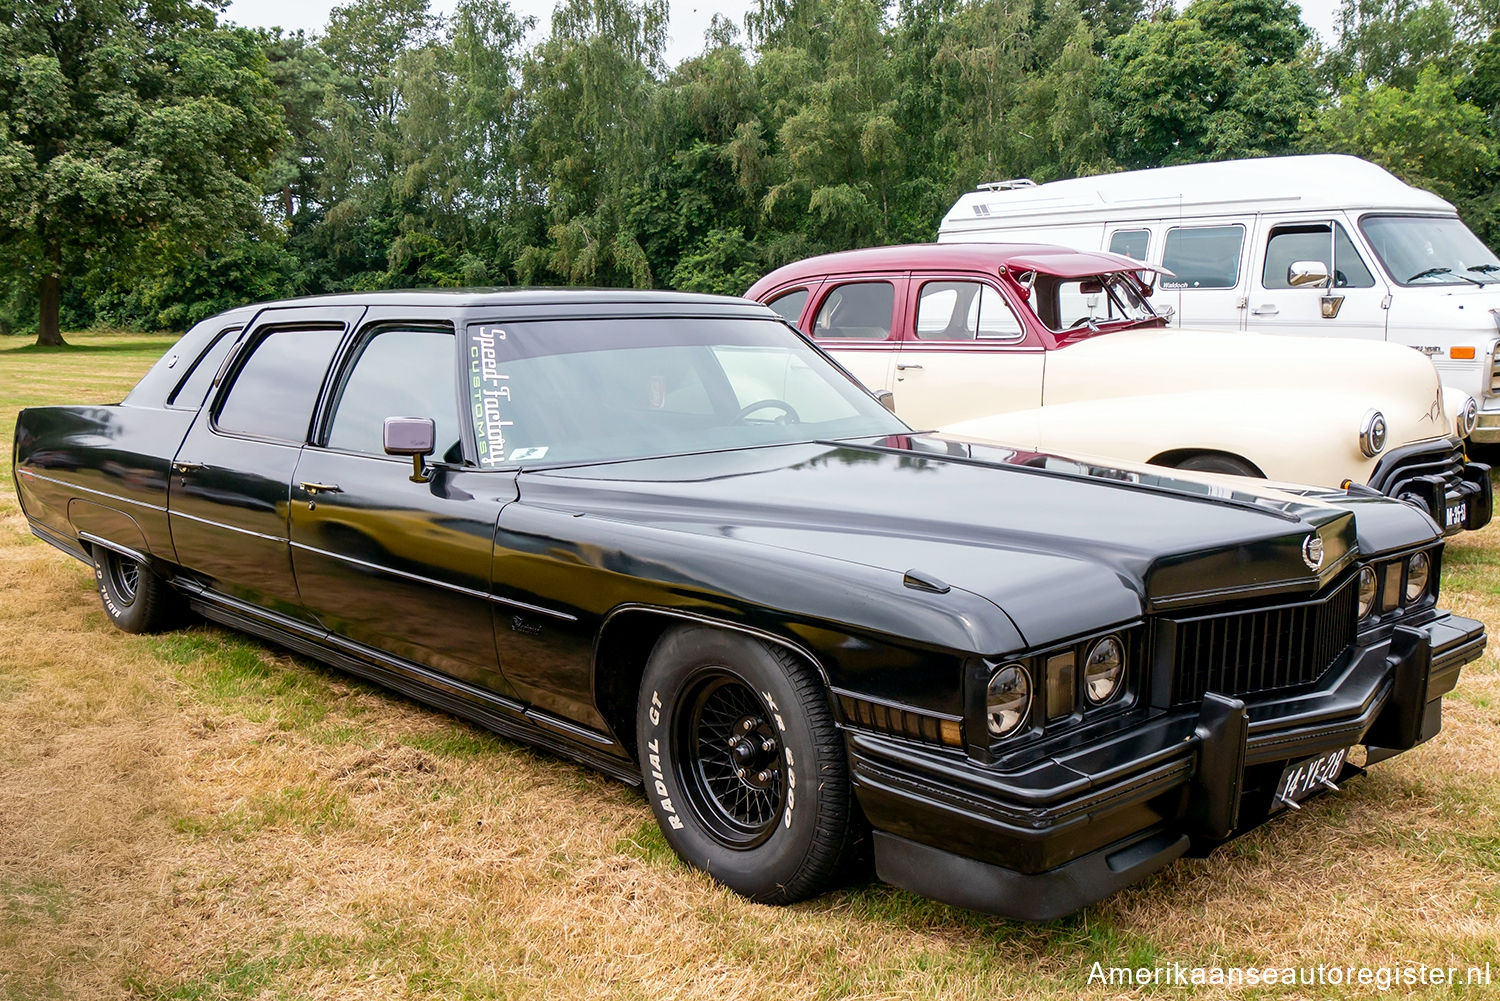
[1418,569]
[1007,700]
[1366,592]
[1467,418]
[1372,433]
[1103,670]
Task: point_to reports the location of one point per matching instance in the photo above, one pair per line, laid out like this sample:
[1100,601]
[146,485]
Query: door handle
[902,366]
[1266,310]
[187,467]
[321,488]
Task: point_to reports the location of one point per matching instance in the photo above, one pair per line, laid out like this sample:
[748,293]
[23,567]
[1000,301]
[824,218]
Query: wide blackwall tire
[134,597]
[744,766]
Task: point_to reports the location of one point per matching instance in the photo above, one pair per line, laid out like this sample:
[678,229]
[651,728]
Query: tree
[131,130]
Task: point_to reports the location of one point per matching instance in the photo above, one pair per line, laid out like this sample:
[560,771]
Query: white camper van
[1251,245]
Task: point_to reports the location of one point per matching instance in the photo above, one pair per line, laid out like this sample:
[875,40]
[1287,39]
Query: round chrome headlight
[1366,592]
[1372,434]
[1007,700]
[1418,570]
[1104,670]
[1468,416]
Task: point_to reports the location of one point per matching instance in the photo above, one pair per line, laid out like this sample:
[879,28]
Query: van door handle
[321,488]
[902,366]
[1266,310]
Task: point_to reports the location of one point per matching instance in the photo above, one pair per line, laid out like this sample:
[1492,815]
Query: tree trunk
[48,332]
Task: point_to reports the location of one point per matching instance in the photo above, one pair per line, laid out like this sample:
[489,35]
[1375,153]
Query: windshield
[1424,250]
[549,391]
[1082,304]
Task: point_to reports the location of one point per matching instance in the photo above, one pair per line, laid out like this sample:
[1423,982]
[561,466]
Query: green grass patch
[239,674]
[310,809]
[28,901]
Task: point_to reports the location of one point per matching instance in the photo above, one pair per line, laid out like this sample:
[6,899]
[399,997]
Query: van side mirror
[1305,274]
[413,436]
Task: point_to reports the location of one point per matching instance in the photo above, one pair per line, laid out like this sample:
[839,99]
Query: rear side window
[273,394]
[398,373]
[1131,243]
[790,306]
[194,388]
[1289,244]
[1202,257]
[858,311]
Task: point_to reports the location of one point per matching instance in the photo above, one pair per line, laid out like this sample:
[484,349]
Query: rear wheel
[1217,462]
[743,765]
[134,597]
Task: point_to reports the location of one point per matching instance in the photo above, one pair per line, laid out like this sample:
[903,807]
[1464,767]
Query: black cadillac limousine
[667,536]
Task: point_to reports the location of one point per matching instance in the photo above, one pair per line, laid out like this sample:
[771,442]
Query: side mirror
[1304,274]
[1166,311]
[413,436]
[887,399]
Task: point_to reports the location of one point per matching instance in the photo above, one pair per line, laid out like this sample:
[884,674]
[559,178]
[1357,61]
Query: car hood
[1039,536]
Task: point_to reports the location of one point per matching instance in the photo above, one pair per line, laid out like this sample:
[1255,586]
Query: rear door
[386,562]
[966,354]
[229,491]
[857,319]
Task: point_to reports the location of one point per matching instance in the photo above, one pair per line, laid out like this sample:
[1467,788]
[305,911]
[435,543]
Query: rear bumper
[1437,477]
[1045,840]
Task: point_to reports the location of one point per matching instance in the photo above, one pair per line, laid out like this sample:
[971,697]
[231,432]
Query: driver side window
[397,373]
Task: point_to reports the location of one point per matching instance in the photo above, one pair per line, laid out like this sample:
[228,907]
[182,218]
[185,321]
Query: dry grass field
[198,815]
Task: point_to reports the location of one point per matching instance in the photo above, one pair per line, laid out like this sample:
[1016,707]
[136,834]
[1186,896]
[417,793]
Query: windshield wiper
[1434,272]
[1484,269]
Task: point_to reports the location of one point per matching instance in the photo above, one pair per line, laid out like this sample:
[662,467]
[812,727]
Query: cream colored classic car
[1050,349]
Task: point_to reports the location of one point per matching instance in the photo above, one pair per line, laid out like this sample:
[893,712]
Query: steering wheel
[788,412]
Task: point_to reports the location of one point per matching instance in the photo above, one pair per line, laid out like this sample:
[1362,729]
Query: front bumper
[1437,477]
[1044,840]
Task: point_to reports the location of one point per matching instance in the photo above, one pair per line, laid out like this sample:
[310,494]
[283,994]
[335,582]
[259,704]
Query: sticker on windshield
[533,452]
[489,394]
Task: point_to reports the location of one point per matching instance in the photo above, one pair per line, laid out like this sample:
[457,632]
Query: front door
[228,494]
[386,562]
[967,355]
[1352,308]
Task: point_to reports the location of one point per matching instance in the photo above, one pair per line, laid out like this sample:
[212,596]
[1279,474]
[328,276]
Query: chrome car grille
[1441,459]
[1260,650]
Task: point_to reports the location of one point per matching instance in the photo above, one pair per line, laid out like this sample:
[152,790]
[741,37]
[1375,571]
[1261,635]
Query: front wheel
[134,597]
[1218,462]
[743,765]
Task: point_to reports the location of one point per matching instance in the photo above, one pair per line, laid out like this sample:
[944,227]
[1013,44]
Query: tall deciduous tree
[131,129]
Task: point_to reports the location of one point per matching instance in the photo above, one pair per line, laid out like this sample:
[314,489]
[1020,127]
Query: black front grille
[1260,650]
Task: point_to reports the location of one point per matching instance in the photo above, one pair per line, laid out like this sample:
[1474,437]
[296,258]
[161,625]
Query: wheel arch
[624,643]
[1174,457]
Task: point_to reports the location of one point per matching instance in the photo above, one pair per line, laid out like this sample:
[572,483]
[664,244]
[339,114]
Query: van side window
[1309,242]
[859,310]
[1202,256]
[965,311]
[273,393]
[1130,242]
[789,306]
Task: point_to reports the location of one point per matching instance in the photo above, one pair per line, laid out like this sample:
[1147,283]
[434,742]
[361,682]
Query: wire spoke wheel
[729,758]
[125,576]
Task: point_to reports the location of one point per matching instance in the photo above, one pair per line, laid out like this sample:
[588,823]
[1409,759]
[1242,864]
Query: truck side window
[1130,242]
[965,311]
[859,310]
[1288,244]
[398,373]
[274,391]
[789,306]
[1202,256]
[194,387]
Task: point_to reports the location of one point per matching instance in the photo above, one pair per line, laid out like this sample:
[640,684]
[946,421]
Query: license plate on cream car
[1302,779]
[1457,515]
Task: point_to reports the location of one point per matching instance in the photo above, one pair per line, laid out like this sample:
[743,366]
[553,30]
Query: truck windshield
[1081,305]
[1428,250]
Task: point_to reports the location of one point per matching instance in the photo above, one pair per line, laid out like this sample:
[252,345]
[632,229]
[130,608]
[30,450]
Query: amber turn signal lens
[1464,354]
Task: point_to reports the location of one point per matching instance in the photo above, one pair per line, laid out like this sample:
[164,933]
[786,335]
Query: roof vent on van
[1011,185]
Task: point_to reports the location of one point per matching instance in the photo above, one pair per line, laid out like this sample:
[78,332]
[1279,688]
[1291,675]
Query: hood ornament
[1312,552]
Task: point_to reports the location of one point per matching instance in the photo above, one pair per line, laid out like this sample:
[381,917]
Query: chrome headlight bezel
[1368,589]
[1468,418]
[1418,577]
[1373,432]
[1110,674]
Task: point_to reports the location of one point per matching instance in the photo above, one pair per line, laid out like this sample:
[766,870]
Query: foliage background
[400,149]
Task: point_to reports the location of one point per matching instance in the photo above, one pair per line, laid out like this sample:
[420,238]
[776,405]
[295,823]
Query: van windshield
[1427,250]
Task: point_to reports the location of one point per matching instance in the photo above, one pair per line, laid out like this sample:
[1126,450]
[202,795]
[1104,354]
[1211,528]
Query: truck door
[1290,289]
